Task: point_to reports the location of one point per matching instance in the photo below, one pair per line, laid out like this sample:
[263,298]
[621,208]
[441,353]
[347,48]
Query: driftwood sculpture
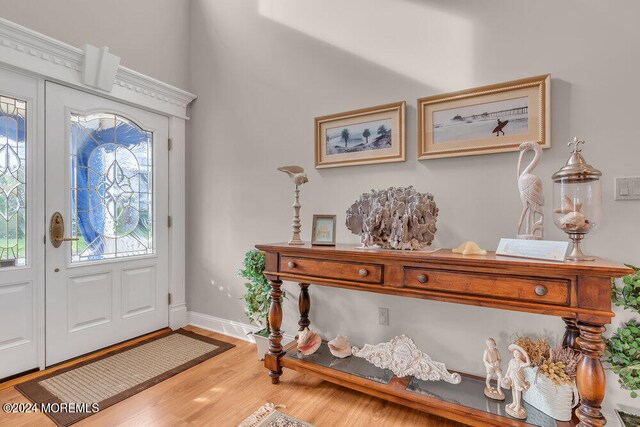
[395,218]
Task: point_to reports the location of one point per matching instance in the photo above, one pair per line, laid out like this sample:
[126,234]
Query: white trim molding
[54,60]
[177,231]
[178,316]
[228,327]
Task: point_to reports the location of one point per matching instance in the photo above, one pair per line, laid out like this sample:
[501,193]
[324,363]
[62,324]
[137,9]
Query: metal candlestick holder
[295,225]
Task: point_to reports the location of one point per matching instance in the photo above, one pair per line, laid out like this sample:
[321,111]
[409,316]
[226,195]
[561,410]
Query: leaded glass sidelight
[13,181]
[111,187]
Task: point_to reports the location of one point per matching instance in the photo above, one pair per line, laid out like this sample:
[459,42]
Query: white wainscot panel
[89,301]
[138,291]
[16,314]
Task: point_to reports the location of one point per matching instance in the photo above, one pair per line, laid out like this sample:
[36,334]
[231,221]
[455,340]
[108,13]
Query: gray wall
[264,69]
[151,36]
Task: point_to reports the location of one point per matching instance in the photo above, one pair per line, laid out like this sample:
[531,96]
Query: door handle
[56,231]
[66,239]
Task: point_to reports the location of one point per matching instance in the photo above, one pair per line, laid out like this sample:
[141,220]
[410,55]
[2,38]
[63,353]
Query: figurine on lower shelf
[492,361]
[514,379]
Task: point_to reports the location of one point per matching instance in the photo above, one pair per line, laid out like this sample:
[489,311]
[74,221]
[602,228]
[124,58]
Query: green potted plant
[256,297]
[628,296]
[623,354]
[623,347]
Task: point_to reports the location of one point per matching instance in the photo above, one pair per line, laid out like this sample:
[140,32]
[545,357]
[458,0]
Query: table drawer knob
[363,272]
[423,278]
[291,264]
[540,290]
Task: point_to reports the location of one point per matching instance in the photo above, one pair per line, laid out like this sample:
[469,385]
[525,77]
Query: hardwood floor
[226,389]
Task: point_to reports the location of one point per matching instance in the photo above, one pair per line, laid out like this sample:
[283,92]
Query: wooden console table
[577,292]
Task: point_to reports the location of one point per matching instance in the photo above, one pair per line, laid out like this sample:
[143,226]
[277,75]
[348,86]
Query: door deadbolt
[56,231]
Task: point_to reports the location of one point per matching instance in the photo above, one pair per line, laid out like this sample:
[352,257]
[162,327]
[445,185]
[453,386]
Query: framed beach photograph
[488,119]
[323,231]
[361,137]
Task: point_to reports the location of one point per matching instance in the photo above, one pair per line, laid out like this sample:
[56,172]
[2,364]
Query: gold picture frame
[323,230]
[459,123]
[373,135]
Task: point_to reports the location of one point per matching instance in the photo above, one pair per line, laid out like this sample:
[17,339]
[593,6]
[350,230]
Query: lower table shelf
[464,402]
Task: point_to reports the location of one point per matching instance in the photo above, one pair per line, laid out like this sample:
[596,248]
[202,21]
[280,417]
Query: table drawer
[355,272]
[548,291]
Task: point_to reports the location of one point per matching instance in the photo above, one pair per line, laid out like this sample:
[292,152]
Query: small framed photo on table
[323,231]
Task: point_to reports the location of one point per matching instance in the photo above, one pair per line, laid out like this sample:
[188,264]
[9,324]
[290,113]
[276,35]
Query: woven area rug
[118,375]
[268,416]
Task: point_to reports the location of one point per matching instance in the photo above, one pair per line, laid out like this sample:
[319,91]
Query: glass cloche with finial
[577,199]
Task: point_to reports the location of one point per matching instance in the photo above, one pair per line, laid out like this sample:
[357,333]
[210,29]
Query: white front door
[107,177]
[21,224]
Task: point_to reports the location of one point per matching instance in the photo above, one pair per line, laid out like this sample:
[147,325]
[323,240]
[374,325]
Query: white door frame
[46,59]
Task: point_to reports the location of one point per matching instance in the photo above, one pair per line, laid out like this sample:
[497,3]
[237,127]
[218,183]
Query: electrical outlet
[383,316]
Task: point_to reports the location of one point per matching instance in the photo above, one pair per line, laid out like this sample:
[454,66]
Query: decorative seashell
[574,221]
[340,347]
[308,342]
[469,248]
[568,206]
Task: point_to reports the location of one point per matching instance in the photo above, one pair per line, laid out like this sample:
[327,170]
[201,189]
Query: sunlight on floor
[211,391]
[442,40]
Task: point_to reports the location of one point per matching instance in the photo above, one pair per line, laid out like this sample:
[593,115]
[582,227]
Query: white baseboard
[178,316]
[228,327]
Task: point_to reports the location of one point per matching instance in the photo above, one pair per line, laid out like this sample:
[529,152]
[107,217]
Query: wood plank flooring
[226,389]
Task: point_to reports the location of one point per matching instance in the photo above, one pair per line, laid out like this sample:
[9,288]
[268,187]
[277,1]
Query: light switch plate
[627,188]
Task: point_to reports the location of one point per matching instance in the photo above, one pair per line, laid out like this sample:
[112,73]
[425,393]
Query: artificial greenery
[257,299]
[623,354]
[627,296]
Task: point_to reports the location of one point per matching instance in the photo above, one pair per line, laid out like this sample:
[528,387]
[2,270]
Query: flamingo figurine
[531,225]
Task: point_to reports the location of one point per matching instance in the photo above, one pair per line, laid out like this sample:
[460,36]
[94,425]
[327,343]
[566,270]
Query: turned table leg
[272,361]
[590,375]
[304,303]
[571,333]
